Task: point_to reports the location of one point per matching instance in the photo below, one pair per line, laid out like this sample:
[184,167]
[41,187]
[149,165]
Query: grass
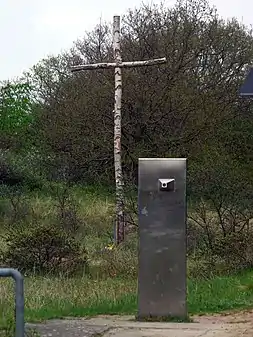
[47,298]
[95,208]
[57,297]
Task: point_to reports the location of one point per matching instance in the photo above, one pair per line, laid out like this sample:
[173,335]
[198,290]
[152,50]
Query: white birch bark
[118,65]
[95,66]
[120,218]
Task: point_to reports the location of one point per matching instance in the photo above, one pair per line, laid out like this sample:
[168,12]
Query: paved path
[114,326]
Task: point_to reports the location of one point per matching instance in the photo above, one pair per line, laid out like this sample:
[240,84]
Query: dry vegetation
[106,280]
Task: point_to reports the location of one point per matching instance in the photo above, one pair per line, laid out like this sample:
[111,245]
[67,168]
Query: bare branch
[96,66]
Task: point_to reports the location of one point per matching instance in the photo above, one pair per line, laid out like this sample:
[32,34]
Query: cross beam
[117,65]
[94,66]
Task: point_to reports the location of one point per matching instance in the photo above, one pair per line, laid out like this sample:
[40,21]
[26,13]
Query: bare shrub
[119,261]
[66,208]
[220,217]
[15,207]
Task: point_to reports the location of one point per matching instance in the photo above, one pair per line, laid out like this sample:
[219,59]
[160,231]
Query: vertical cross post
[120,214]
[117,65]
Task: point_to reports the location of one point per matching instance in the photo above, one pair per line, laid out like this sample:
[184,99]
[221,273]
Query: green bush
[23,169]
[43,249]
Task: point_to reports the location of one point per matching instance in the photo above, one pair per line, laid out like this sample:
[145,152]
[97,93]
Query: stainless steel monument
[162,238]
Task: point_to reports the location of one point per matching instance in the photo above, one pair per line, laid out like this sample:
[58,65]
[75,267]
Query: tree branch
[121,65]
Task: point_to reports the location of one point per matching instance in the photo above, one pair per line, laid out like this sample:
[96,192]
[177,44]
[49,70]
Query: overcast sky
[32,29]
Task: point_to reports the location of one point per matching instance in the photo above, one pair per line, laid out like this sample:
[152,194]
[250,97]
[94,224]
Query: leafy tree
[19,155]
[172,110]
[15,111]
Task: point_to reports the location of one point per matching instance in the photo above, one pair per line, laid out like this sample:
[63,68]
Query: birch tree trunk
[118,65]
[119,183]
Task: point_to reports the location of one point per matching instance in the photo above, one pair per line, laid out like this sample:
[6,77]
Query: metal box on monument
[162,238]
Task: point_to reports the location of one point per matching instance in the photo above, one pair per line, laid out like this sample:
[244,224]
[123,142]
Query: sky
[33,29]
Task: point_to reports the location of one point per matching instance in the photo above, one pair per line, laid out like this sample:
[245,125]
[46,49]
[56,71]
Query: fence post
[19,299]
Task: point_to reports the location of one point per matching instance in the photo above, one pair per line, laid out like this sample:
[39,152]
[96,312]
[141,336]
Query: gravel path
[239,324]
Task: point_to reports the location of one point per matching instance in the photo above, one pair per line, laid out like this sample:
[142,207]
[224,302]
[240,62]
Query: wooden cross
[117,65]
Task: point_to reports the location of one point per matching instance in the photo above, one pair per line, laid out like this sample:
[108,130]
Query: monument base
[168,318]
